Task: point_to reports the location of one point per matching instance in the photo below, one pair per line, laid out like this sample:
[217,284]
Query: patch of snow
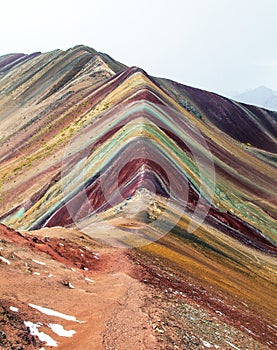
[248,330]
[15,309]
[85,268]
[36,273]
[88,279]
[38,262]
[41,335]
[50,312]
[60,331]
[233,346]
[5,260]
[70,285]
[206,343]
[50,275]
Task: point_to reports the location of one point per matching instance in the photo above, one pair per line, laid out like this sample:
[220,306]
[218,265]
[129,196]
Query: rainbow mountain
[181,174]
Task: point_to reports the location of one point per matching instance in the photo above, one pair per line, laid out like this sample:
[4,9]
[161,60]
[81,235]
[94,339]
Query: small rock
[159,330]
[68,284]
[3,335]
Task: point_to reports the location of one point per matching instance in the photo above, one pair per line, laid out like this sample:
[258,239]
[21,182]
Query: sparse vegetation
[106,106]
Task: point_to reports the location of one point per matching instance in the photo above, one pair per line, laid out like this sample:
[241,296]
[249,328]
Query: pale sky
[218,45]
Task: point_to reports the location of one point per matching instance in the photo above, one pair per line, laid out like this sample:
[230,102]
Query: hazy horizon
[218,46]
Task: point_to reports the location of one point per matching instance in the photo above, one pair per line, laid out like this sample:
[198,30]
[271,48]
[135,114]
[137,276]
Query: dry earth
[119,304]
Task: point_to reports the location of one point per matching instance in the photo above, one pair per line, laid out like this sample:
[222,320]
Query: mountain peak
[95,154]
[261,96]
[82,47]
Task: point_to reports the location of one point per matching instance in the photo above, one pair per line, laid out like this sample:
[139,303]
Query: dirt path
[115,319]
[104,297]
[116,299]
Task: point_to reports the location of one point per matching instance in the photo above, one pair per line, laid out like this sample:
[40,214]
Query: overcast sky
[218,45]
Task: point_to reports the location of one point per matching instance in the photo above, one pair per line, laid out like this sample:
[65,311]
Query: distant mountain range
[261,96]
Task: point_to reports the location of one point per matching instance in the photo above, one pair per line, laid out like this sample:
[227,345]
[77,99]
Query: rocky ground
[59,288]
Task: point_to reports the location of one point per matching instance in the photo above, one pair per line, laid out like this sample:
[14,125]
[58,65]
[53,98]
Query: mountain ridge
[173,187]
[129,86]
[261,96]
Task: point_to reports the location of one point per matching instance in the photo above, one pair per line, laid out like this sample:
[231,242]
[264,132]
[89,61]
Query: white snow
[38,262]
[206,344]
[70,285]
[36,273]
[50,312]
[15,309]
[5,260]
[41,335]
[248,330]
[88,279]
[60,331]
[233,346]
